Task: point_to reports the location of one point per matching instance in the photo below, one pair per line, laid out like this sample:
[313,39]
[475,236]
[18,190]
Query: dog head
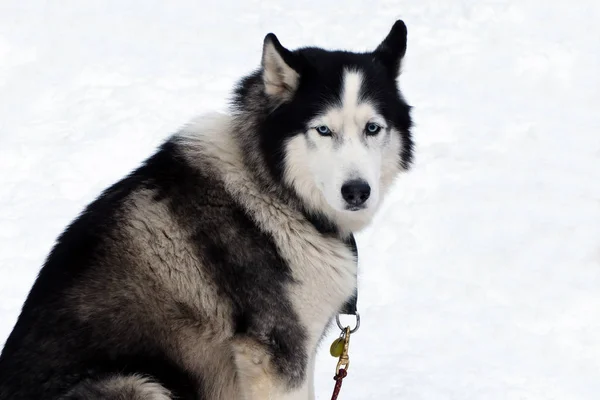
[334,127]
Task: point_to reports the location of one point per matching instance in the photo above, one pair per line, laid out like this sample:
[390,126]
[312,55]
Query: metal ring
[339,324]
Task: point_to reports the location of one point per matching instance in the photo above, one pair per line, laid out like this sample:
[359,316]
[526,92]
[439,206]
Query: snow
[480,277]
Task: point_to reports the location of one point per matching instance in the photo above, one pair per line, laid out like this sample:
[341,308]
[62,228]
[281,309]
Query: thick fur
[118,388]
[213,270]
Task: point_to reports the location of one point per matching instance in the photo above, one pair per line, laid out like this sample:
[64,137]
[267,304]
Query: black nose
[356,192]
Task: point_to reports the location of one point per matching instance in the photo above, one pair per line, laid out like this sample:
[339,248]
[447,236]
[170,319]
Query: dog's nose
[356,192]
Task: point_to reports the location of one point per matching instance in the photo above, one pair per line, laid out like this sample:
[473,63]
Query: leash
[339,347]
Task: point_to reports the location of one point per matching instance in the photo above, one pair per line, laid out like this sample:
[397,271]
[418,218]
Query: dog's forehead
[345,77]
[352,103]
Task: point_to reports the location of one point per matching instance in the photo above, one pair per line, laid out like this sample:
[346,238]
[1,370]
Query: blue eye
[372,128]
[323,130]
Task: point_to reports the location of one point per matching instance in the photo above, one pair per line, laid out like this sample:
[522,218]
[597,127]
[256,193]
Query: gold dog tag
[337,347]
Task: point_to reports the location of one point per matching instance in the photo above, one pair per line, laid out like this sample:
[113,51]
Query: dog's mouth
[355,208]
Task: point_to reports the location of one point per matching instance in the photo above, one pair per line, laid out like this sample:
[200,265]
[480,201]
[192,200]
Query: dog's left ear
[280,74]
[393,48]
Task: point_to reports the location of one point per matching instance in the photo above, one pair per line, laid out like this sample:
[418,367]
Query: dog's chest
[324,271]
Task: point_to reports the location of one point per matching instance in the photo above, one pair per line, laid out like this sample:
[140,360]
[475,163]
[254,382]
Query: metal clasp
[344,361]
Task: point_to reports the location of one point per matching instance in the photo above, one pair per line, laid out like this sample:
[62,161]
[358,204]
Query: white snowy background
[480,277]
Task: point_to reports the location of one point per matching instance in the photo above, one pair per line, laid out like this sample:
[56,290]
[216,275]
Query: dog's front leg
[260,379]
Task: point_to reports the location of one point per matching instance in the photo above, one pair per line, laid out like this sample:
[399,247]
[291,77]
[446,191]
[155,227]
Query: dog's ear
[393,48]
[279,70]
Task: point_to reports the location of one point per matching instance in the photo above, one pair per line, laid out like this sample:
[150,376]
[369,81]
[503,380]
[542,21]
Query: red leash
[338,383]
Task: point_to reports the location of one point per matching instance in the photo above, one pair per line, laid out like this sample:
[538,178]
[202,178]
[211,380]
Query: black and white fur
[213,270]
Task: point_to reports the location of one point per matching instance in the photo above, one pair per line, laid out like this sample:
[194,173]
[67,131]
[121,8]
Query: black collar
[350,307]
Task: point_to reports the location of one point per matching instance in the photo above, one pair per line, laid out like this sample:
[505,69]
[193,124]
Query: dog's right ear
[279,76]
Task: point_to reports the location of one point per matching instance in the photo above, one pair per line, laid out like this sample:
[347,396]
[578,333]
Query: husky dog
[213,270]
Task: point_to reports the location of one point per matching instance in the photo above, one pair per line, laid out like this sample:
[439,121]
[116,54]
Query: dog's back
[101,305]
